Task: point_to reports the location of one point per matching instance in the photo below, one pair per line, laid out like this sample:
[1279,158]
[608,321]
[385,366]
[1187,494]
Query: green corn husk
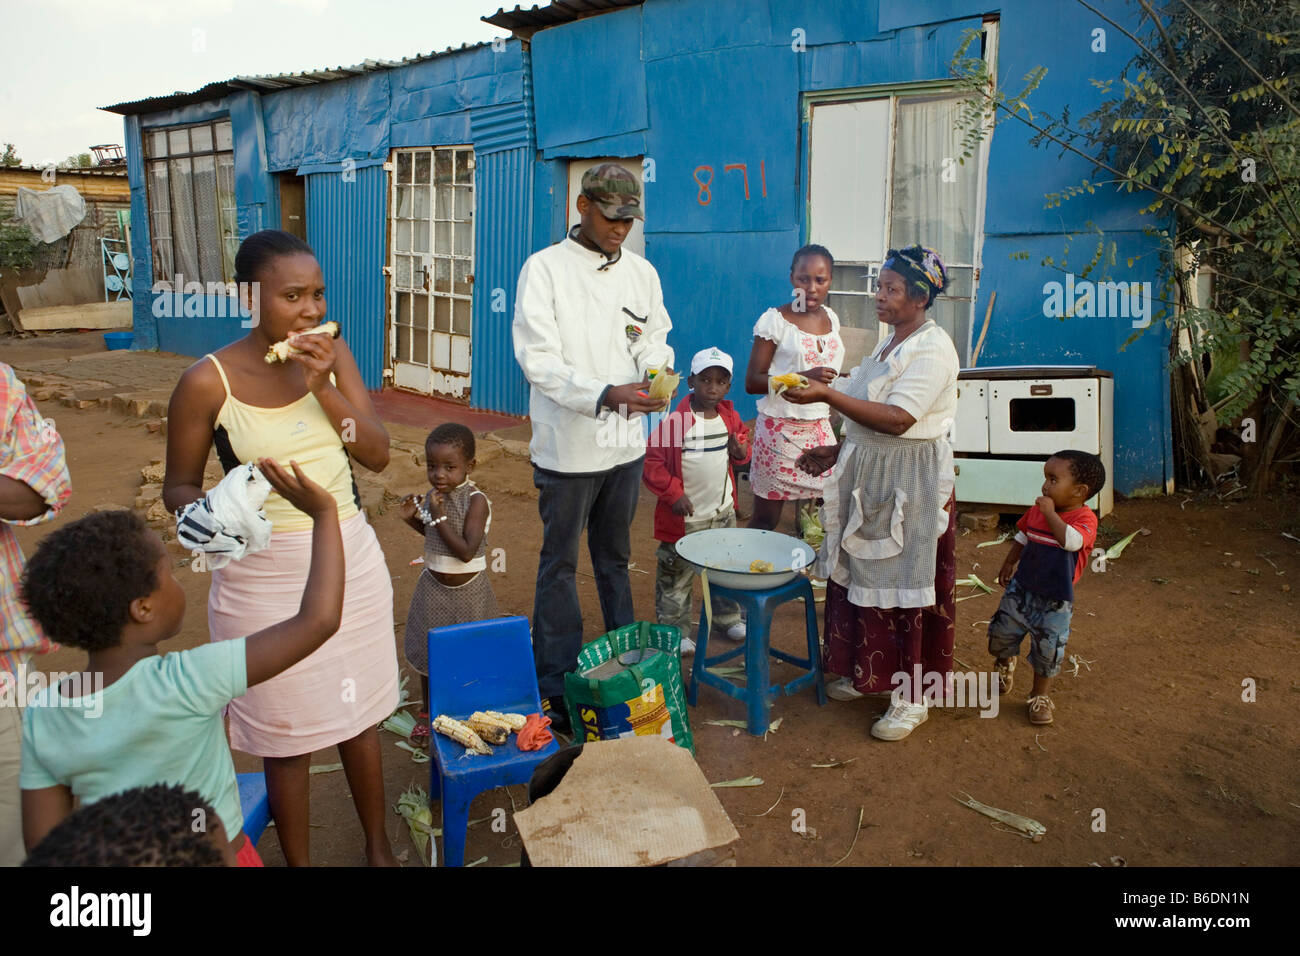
[413,806]
[810,526]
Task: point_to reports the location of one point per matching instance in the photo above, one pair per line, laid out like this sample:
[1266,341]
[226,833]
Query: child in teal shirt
[105,584]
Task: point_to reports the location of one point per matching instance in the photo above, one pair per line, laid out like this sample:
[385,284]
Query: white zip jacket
[582,324]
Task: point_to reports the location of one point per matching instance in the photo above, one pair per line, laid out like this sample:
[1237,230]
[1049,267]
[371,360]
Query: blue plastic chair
[758,693]
[483,665]
[254,803]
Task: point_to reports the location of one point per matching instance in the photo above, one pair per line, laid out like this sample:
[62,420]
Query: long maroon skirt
[870,644]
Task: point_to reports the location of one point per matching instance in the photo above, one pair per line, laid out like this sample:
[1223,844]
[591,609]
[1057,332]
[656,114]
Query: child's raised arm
[465,546]
[279,647]
[43,810]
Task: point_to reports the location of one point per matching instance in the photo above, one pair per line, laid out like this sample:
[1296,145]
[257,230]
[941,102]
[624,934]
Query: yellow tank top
[299,431]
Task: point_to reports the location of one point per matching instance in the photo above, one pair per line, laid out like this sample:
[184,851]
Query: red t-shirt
[1045,567]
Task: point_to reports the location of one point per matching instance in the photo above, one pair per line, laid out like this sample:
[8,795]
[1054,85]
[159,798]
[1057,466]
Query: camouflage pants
[675,584]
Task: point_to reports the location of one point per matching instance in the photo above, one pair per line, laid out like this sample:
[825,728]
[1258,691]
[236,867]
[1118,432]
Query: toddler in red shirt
[1052,544]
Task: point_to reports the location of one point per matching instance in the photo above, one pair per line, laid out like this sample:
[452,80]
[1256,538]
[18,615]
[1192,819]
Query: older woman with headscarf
[890,541]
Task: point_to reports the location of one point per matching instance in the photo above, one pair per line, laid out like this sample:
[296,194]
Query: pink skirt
[778,442]
[347,684]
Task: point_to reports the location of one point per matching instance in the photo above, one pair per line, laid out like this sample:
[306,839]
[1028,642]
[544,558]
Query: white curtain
[935,202]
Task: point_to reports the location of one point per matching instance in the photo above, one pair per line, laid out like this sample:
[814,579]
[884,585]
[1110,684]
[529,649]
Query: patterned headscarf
[920,267]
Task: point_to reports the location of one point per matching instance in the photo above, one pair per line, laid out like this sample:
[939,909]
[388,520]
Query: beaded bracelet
[422,512]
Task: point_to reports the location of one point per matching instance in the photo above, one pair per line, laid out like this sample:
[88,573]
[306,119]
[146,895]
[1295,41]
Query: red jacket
[663,464]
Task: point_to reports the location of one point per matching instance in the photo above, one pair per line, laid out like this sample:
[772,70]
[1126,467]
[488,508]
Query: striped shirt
[31,451]
[706,467]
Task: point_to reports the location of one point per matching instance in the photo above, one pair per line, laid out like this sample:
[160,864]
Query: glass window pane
[403,167]
[441,275]
[405,203]
[464,238]
[201,139]
[442,171]
[185,242]
[420,238]
[855,311]
[403,277]
[403,327]
[422,163]
[178,141]
[160,221]
[421,202]
[156,143]
[464,174]
[926,209]
[460,277]
[442,238]
[207,224]
[443,209]
[420,329]
[223,135]
[464,203]
[229,213]
[461,316]
[441,314]
[402,241]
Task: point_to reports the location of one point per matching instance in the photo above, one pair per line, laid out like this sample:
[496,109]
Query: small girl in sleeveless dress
[454,517]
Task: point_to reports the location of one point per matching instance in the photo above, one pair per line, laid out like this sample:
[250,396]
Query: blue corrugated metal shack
[765,124]
[377,167]
[757,125]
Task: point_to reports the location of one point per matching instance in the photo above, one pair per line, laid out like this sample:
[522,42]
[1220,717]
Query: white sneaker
[900,720]
[736,632]
[688,647]
[842,689]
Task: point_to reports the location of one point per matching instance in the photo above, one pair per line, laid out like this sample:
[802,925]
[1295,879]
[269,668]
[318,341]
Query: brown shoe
[1040,710]
[1006,675]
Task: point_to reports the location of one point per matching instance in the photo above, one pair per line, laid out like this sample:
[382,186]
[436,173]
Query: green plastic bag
[638,691]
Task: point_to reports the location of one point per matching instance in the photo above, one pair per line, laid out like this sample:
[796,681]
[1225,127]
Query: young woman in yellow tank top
[313,409]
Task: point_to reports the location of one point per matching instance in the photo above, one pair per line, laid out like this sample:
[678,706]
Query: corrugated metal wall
[501,244]
[503,204]
[346,226]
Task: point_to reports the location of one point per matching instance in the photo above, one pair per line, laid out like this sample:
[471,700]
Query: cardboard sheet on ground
[636,801]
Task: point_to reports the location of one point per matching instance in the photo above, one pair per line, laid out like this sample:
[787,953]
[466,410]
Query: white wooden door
[431,262]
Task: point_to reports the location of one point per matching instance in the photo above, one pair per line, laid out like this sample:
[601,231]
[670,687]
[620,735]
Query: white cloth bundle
[228,522]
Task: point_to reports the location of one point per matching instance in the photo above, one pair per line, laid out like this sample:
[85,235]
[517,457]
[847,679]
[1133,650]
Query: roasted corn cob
[460,733]
[279,352]
[512,722]
[492,733]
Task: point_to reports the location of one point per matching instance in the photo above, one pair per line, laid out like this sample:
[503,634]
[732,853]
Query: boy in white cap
[690,466]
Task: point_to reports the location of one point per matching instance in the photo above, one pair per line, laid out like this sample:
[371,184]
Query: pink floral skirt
[778,442]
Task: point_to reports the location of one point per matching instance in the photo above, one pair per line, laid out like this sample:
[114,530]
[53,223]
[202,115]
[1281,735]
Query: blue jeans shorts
[1045,619]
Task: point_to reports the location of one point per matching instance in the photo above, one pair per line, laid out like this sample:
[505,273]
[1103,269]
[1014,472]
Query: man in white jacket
[589,326]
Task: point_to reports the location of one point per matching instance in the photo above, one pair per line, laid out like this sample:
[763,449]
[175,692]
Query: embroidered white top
[797,350]
[583,323]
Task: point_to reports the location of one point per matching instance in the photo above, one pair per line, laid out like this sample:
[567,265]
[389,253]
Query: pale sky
[63,59]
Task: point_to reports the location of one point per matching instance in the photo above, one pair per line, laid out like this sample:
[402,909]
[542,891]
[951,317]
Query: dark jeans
[604,505]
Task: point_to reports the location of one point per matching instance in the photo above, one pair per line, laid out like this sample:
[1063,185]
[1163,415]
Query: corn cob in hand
[460,733]
[779,383]
[279,352]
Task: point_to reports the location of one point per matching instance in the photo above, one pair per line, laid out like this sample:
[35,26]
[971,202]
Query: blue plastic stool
[483,665]
[254,803]
[759,692]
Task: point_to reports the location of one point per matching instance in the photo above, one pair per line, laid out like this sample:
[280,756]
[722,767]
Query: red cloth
[662,472]
[869,645]
[247,855]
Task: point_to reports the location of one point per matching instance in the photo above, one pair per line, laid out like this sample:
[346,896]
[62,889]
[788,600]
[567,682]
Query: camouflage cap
[614,190]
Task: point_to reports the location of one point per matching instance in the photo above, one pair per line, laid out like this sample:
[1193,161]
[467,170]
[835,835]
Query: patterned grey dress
[435,604]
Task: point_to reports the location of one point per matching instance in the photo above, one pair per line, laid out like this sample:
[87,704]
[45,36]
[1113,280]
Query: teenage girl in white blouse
[802,336]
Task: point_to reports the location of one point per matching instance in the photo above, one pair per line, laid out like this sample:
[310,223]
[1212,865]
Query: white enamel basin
[728,552]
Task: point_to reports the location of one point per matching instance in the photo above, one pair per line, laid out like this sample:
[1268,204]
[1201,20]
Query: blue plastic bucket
[118,340]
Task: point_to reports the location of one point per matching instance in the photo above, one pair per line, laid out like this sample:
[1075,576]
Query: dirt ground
[1153,731]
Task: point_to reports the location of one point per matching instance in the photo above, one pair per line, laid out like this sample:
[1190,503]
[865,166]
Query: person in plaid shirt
[34,486]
